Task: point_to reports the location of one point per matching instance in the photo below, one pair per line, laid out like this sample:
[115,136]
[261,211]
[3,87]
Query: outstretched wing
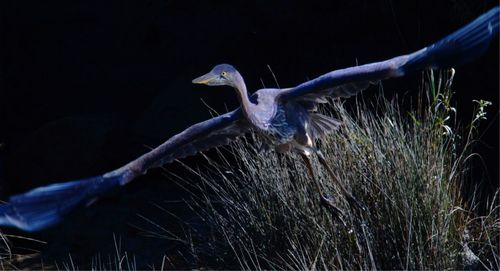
[217,131]
[45,206]
[462,46]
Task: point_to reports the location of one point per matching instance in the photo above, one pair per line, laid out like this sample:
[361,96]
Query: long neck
[246,105]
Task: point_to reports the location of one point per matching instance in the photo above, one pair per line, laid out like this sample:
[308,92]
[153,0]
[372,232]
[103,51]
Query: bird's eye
[223,74]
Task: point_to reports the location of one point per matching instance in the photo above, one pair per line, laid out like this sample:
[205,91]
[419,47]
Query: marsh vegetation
[407,168]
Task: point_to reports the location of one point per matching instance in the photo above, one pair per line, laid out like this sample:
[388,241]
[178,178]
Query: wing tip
[46,206]
[460,47]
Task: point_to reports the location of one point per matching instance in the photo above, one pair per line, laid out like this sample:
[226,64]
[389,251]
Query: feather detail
[322,125]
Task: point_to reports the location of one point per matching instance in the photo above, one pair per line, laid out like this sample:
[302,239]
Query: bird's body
[284,124]
[294,127]
[287,120]
[274,120]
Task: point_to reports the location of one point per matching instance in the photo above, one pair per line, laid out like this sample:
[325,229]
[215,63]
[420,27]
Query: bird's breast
[279,128]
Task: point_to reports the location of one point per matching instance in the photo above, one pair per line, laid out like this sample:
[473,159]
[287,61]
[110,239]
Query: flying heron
[286,119]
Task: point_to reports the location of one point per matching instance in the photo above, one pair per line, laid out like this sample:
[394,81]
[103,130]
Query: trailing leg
[324,201]
[348,196]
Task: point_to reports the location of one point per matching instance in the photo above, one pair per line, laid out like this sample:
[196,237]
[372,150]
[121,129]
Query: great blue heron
[285,118]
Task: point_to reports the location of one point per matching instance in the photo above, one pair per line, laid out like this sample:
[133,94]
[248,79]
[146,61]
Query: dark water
[86,85]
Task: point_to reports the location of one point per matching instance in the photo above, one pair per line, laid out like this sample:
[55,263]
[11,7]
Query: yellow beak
[204,79]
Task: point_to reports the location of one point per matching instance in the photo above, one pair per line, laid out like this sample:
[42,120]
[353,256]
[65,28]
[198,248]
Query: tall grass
[31,261]
[406,168]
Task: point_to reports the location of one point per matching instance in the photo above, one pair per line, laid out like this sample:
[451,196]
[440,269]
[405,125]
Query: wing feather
[460,47]
[345,82]
[217,131]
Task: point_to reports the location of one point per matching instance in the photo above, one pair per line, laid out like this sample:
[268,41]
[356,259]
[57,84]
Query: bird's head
[220,75]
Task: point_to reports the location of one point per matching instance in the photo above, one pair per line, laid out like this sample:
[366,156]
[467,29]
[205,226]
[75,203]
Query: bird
[286,119]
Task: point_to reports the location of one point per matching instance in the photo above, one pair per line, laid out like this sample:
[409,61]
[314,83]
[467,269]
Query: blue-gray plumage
[286,118]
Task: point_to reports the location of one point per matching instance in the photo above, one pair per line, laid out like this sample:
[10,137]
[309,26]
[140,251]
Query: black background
[86,85]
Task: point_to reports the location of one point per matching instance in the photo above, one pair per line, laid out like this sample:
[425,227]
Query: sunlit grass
[405,167]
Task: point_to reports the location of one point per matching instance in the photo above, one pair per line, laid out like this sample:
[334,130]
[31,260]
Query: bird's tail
[45,206]
[462,46]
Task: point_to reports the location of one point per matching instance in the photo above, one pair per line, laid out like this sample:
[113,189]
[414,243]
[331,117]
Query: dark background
[85,86]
